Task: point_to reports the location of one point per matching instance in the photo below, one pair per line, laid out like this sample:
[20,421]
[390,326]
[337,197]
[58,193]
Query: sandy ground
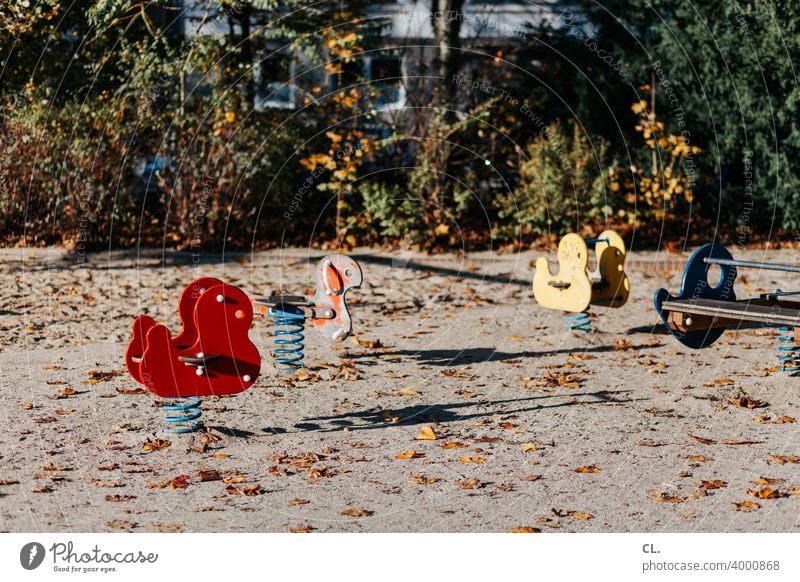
[619,430]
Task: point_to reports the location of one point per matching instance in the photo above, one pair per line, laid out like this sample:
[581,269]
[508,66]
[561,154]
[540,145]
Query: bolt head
[220,298]
[246,378]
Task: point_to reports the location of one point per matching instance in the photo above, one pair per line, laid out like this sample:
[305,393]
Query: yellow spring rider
[572,288]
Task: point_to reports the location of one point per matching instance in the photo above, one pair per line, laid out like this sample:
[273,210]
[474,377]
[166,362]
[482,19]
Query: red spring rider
[212,355]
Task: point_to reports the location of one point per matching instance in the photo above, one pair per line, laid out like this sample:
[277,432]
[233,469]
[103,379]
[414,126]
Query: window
[274,89]
[386,76]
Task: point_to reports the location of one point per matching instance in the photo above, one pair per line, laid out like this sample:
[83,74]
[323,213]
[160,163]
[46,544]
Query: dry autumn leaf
[664,497]
[747,402]
[472,459]
[426,433]
[712,484]
[765,493]
[588,469]
[703,440]
[697,459]
[746,506]
[297,501]
[767,481]
[783,459]
[374,344]
[209,475]
[529,448]
[524,529]
[356,512]
[131,391]
[453,445]
[301,529]
[409,455]
[155,445]
[422,480]
[120,498]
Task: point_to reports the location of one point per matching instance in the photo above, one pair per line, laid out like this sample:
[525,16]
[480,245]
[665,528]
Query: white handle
[325,282]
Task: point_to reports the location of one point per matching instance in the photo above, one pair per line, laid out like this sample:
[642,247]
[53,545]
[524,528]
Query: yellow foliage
[664,179]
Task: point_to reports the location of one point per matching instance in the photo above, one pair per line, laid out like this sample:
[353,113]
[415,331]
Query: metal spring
[578,321]
[188,420]
[289,325]
[788,351]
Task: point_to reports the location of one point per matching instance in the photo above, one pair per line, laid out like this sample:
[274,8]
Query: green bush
[561,186]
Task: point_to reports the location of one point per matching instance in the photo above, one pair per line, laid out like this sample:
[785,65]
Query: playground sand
[535,426]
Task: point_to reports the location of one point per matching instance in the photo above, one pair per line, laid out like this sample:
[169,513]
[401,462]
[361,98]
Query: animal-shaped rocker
[336,274]
[212,355]
[572,288]
[698,315]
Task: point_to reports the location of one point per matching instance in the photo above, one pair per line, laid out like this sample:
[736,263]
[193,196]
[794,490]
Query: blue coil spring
[289,325]
[788,351]
[578,321]
[188,417]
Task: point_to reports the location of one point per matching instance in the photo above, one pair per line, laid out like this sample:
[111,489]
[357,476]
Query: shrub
[560,186]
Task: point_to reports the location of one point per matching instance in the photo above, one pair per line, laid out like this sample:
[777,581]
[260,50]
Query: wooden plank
[768,312]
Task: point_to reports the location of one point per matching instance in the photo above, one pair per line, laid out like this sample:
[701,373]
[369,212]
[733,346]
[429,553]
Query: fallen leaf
[120,498]
[785,420]
[209,475]
[232,479]
[298,501]
[697,459]
[746,506]
[621,345]
[453,445]
[409,455]
[472,460]
[179,482]
[389,416]
[529,448]
[121,524]
[524,529]
[767,481]
[572,513]
[8,482]
[131,391]
[155,445]
[422,480]
[747,402]
[301,529]
[734,442]
[65,393]
[719,382]
[96,376]
[374,344]
[581,515]
[703,440]
[712,484]
[407,391]
[783,459]
[666,497]
[247,490]
[469,484]
[426,433]
[765,493]
[108,483]
[356,512]
[588,469]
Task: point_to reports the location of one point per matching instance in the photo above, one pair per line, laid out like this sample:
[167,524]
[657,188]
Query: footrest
[771,313]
